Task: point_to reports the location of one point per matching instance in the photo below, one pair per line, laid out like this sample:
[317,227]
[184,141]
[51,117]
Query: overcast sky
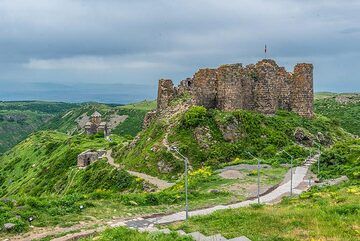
[138,42]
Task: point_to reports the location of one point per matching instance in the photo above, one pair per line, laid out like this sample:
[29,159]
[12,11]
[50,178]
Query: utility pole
[258,176]
[186,161]
[291,171]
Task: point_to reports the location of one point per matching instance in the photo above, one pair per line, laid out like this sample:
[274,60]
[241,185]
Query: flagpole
[265,51]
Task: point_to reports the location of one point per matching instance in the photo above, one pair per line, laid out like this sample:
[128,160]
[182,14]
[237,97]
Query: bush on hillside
[195,116]
[341,159]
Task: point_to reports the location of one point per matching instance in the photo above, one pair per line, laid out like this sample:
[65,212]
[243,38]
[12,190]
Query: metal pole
[291,171]
[291,176]
[174,148]
[258,176]
[186,191]
[258,182]
[318,162]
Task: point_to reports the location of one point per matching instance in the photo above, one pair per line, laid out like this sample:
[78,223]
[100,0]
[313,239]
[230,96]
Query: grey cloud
[141,41]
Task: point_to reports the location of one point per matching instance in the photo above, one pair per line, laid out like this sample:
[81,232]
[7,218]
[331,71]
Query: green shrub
[341,159]
[195,116]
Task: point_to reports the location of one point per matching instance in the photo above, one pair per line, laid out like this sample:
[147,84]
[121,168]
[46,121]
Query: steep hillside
[343,158]
[19,119]
[215,138]
[45,163]
[344,108]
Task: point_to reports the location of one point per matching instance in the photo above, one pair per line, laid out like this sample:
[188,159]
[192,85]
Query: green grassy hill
[45,163]
[343,108]
[39,177]
[214,138]
[19,119]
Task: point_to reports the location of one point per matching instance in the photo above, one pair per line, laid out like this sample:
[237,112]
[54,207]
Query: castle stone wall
[205,88]
[230,93]
[302,93]
[166,92]
[264,87]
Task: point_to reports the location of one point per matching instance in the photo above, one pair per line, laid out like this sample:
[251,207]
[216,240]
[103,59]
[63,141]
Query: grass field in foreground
[331,213]
[124,234]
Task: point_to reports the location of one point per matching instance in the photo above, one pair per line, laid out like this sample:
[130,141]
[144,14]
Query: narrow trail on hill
[71,181]
[160,184]
[300,184]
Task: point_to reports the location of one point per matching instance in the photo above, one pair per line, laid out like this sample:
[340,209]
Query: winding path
[71,181]
[299,185]
[160,184]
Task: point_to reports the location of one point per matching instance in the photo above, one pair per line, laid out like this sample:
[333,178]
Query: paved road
[299,175]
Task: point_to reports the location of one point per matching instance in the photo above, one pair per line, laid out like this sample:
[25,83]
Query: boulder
[303,136]
[9,226]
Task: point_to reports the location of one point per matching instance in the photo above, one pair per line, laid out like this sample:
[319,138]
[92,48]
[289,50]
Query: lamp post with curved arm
[291,171]
[318,162]
[186,161]
[258,176]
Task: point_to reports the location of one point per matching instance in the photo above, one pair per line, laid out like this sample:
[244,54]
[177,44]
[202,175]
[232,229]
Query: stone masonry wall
[205,88]
[302,93]
[263,87]
[166,92]
[229,91]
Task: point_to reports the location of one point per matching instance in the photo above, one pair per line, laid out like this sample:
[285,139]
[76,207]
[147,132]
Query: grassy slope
[343,158]
[125,234]
[327,214]
[39,179]
[262,135]
[347,114]
[45,163]
[19,119]
[136,112]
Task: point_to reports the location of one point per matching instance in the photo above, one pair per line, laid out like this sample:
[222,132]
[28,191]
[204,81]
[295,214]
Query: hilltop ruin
[264,87]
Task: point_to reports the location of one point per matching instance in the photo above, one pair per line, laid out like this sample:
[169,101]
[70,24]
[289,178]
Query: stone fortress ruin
[264,87]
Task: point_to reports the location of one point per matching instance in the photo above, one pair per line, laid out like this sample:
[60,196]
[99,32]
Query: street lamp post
[318,162]
[186,161]
[258,176]
[291,171]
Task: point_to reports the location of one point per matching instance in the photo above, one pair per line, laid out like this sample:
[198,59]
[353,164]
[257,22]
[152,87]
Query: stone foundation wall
[263,87]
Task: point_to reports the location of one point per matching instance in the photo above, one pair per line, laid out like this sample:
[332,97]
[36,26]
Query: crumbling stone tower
[264,87]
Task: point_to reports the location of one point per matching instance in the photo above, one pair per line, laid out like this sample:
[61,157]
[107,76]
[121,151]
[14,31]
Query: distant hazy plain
[78,92]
